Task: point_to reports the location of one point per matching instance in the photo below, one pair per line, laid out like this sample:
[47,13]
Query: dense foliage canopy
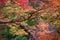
[29,13]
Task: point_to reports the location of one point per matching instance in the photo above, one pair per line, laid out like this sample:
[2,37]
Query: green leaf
[34,5]
[4,31]
[22,37]
[8,8]
[12,16]
[31,22]
[58,9]
[16,8]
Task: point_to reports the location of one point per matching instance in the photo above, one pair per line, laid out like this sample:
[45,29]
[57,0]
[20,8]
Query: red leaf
[24,4]
[2,1]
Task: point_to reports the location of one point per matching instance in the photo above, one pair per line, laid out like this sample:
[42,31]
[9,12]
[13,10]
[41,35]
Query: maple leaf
[24,4]
[2,2]
[56,2]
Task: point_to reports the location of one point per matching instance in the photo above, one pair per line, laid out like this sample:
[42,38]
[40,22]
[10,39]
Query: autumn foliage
[56,2]
[30,19]
[3,1]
